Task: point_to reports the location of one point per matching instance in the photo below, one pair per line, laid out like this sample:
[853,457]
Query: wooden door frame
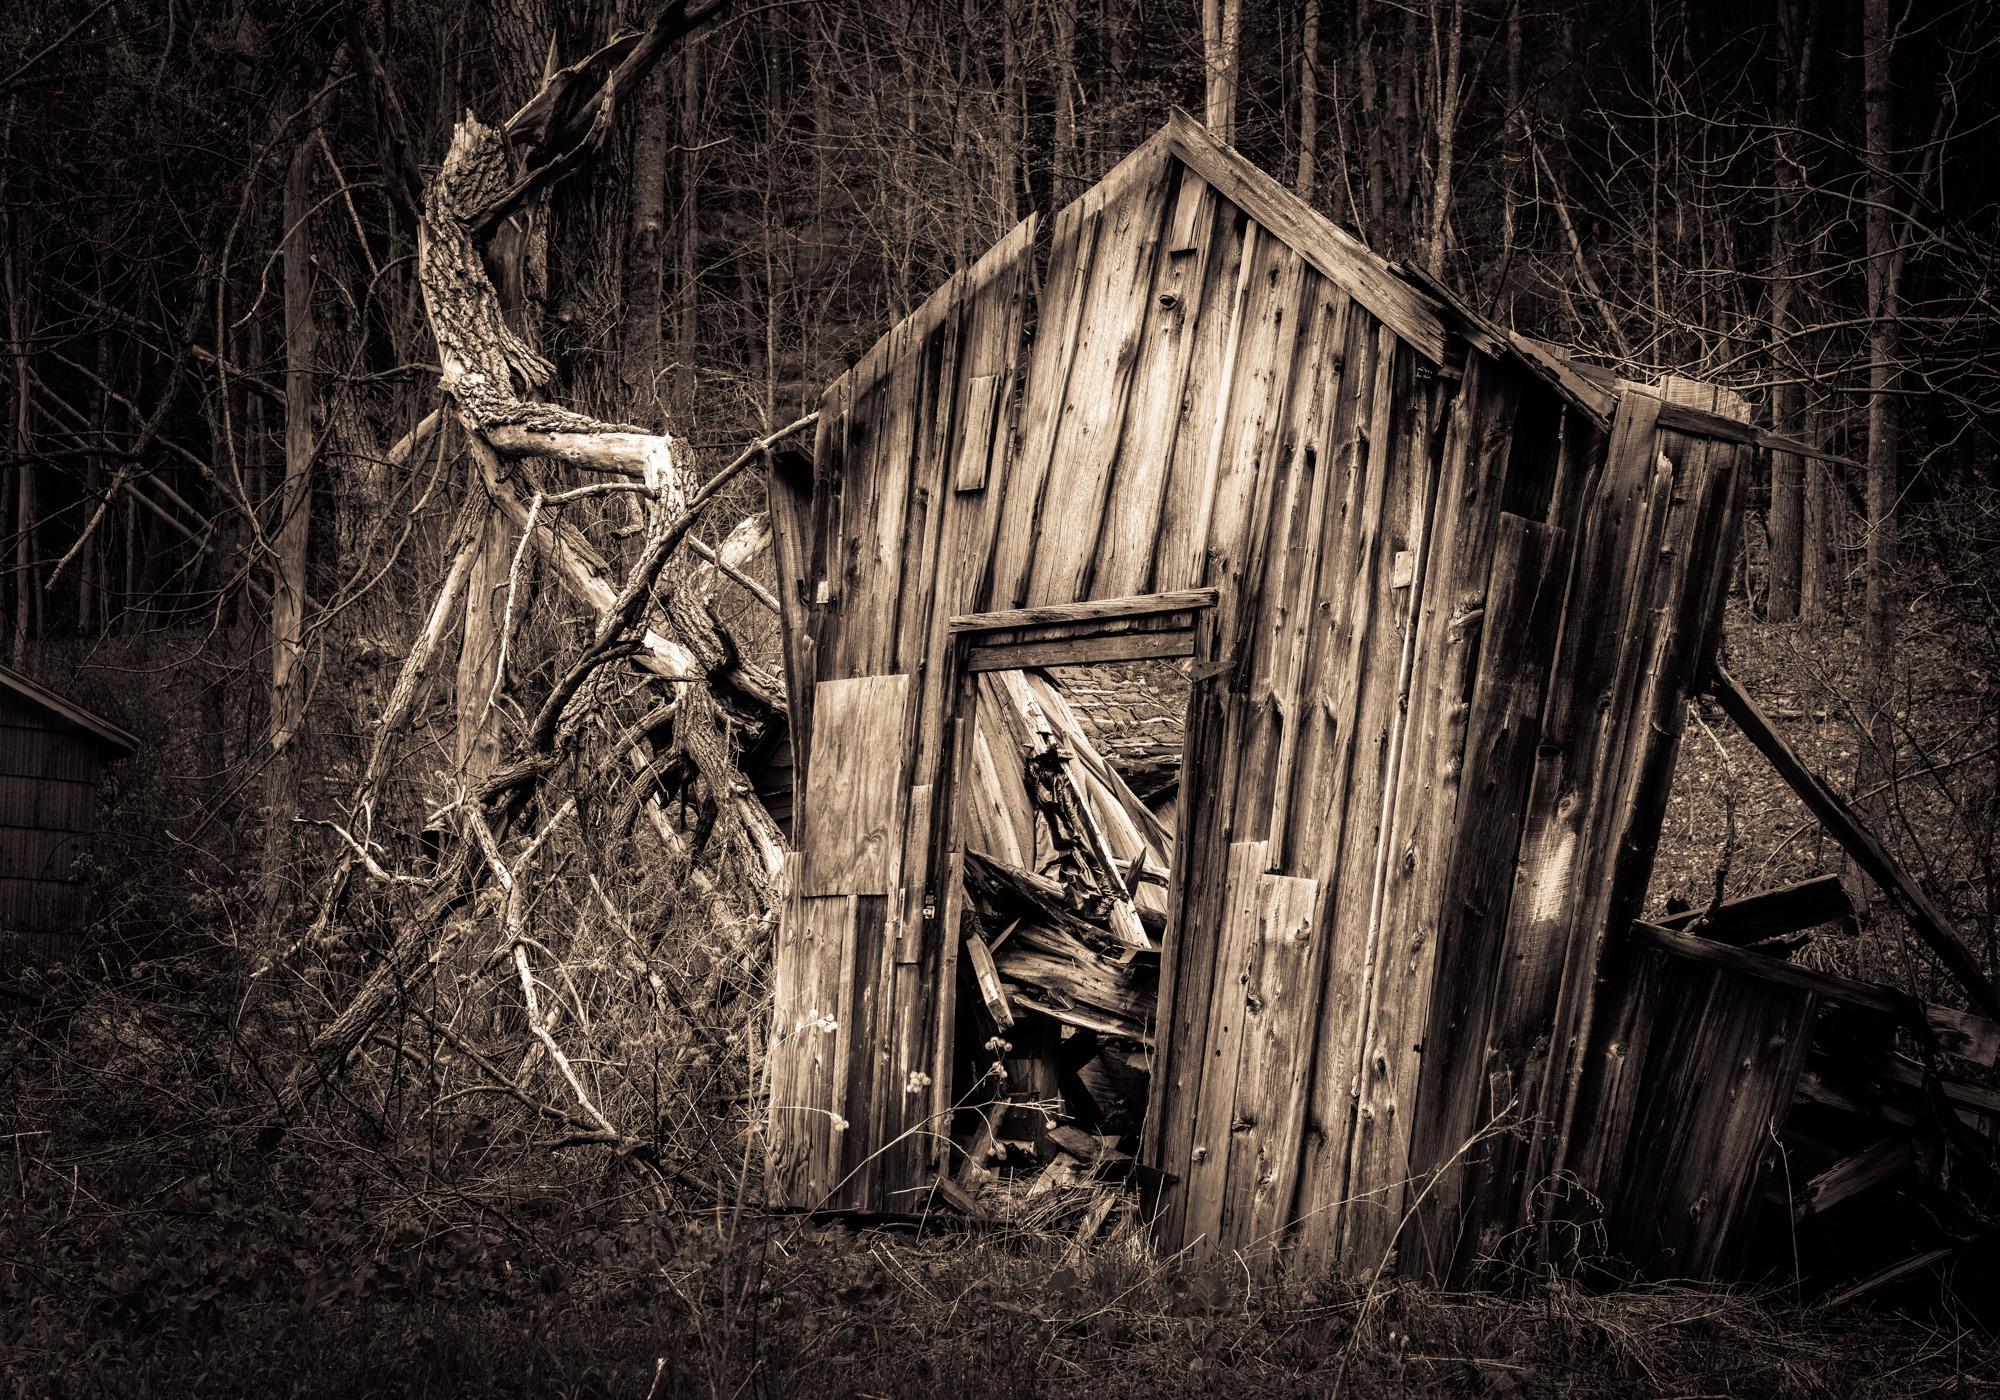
[1145,626]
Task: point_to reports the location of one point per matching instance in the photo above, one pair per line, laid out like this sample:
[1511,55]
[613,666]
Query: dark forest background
[229,496]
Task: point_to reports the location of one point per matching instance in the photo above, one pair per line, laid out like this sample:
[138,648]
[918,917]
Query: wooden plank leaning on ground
[1846,827]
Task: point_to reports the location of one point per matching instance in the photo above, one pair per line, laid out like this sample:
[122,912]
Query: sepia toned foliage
[389,391]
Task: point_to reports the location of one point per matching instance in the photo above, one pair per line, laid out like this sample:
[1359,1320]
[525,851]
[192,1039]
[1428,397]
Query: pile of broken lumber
[1066,881]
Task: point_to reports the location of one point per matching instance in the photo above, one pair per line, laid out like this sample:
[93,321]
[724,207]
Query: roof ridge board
[97,726]
[1363,273]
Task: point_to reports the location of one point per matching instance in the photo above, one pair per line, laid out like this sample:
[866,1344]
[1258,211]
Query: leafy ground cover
[155,1243]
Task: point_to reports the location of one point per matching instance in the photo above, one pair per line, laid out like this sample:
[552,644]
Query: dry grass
[149,1248]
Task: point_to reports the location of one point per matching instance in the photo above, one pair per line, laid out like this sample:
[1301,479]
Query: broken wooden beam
[1009,890]
[1846,827]
[987,977]
[1767,913]
[1852,1175]
[1960,1032]
[1143,605]
[953,1197]
[1056,786]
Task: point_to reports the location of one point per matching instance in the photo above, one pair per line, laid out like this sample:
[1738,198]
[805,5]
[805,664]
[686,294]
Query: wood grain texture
[853,805]
[1716,1082]
[1184,600]
[1080,651]
[1518,627]
[1440,625]
[1961,1033]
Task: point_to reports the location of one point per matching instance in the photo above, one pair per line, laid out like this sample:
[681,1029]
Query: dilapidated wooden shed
[1443,599]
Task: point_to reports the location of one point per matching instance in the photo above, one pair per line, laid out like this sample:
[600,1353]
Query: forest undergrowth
[164,1232]
[147,1248]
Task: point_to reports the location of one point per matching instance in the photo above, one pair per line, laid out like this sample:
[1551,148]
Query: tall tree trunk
[687,65]
[639,357]
[1511,157]
[288,589]
[1308,101]
[24,468]
[1876,766]
[1814,526]
[1221,24]
[1884,340]
[1446,50]
[1367,85]
[1065,182]
[1787,517]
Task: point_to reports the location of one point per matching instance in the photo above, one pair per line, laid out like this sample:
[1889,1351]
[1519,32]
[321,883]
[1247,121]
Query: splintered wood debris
[1062,942]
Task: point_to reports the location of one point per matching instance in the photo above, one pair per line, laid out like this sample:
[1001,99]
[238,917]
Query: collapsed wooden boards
[1958,1032]
[1846,827]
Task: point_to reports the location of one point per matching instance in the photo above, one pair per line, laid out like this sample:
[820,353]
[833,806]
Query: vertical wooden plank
[1690,577]
[1341,611]
[1453,564]
[1232,745]
[940,376]
[1118,313]
[876,553]
[1246,476]
[783,1128]
[982,413]
[1363,685]
[1346,560]
[1194,922]
[1179,534]
[1072,263]
[854,993]
[1181,553]
[1287,638]
[1523,606]
[1373,1196]
[853,806]
[1124,549]
[809,1091]
[1271,1085]
[1206,1180]
[1598,601]
[959,561]
[1651,694]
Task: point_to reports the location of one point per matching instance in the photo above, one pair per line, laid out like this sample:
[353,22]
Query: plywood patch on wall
[854,794]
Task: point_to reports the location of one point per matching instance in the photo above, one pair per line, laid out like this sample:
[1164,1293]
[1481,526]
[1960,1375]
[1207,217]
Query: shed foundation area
[1356,983]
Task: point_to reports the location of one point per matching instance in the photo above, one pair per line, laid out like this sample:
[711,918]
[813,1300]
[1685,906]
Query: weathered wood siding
[1429,717]
[1526,1034]
[48,801]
